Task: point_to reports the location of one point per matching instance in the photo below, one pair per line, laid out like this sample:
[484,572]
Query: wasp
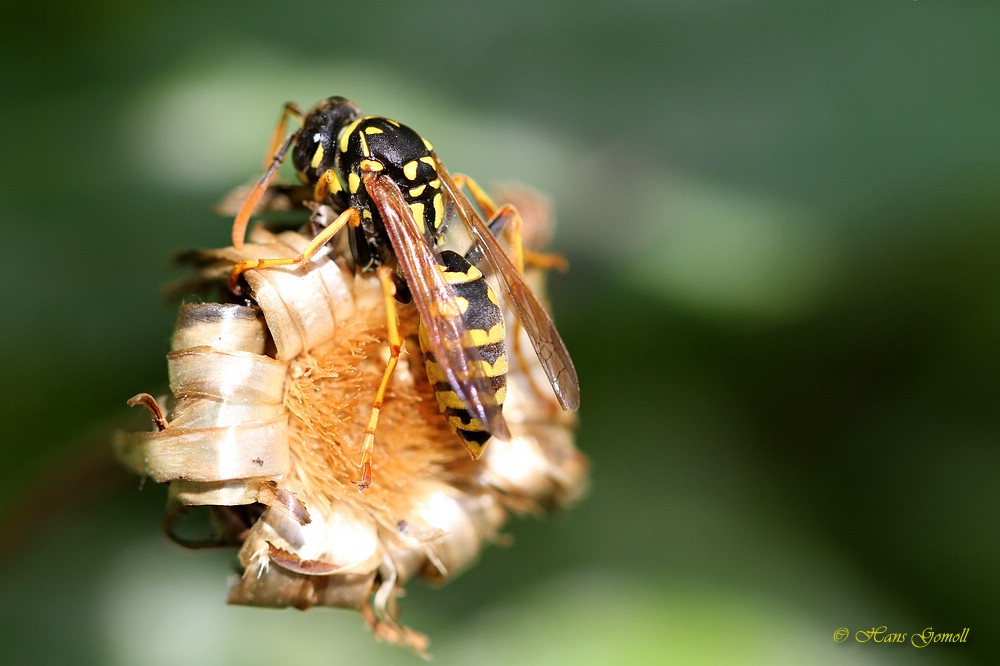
[401,208]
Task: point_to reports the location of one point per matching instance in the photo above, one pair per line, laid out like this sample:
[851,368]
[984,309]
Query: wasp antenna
[243,217]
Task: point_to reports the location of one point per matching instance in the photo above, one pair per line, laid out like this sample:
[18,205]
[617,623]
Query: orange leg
[546,260]
[277,151]
[348,217]
[384,274]
[505,215]
[327,184]
[519,256]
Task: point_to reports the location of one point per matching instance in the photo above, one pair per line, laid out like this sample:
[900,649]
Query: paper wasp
[398,203]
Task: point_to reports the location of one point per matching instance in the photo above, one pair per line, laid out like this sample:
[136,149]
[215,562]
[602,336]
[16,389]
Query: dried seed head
[269,409]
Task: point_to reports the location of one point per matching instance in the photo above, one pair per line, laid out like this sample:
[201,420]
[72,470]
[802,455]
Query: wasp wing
[438,307]
[548,344]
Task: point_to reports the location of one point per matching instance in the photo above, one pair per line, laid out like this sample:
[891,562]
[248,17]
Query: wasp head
[316,147]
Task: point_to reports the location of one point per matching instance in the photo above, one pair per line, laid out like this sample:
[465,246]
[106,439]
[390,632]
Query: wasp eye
[315,151]
[313,154]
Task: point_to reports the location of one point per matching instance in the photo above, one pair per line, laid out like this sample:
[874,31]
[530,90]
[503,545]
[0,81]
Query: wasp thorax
[316,148]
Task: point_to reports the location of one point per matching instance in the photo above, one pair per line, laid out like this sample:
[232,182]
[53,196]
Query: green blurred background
[782,222]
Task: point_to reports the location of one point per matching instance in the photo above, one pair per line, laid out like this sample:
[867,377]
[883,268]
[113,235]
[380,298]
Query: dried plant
[264,424]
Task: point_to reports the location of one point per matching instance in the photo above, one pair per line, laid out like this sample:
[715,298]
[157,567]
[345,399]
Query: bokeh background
[782,222]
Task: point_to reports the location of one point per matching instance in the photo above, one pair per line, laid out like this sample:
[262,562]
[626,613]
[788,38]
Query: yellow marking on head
[477,337]
[435,184]
[372,130]
[438,210]
[417,191]
[353,182]
[418,215]
[371,165]
[427,144]
[410,170]
[427,159]
[345,134]
[317,156]
[391,122]
[367,214]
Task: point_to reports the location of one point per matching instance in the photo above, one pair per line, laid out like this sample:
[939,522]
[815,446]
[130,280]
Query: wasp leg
[327,184]
[348,217]
[384,274]
[499,219]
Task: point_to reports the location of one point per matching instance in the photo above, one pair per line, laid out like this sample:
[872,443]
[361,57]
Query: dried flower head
[268,408]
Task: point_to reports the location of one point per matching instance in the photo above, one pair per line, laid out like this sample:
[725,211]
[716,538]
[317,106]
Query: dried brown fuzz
[269,408]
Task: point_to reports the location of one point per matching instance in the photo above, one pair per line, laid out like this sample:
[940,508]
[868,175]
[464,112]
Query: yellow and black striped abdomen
[483,336]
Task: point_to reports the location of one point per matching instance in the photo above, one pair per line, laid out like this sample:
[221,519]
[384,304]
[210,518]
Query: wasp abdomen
[484,333]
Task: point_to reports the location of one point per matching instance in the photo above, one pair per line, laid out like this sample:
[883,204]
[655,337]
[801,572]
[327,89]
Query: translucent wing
[438,307]
[548,344]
